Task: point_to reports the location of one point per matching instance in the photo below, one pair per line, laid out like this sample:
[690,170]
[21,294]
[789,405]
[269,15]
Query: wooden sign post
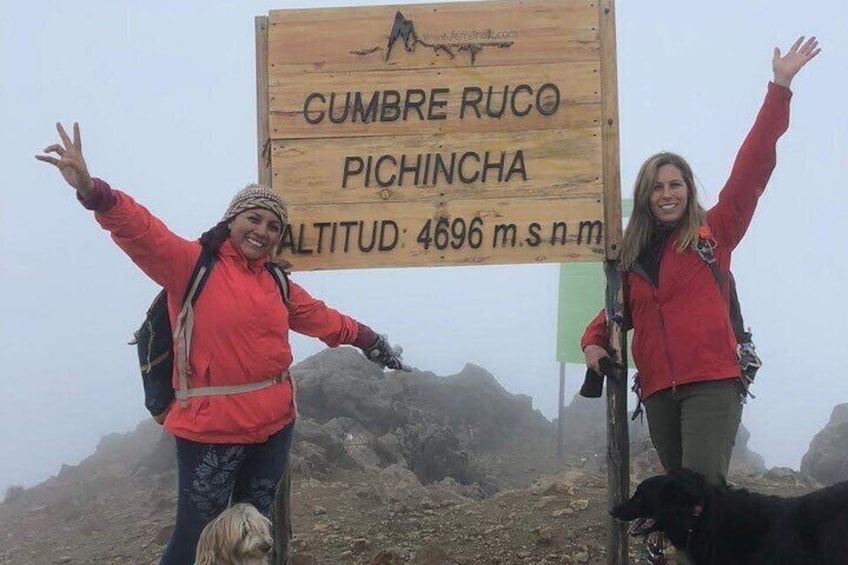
[438,134]
[465,133]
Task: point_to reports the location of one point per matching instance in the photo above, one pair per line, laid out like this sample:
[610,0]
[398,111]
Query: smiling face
[669,195]
[255,232]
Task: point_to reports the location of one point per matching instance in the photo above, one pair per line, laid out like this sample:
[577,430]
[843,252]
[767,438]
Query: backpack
[749,361]
[155,343]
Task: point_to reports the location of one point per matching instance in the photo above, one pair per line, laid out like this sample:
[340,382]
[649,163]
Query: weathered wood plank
[618,444]
[560,164]
[506,98]
[263,138]
[462,232]
[509,32]
[610,131]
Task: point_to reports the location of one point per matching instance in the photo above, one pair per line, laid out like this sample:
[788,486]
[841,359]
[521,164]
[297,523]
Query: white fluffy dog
[239,535]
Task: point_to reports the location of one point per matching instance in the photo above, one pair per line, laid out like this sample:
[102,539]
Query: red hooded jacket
[681,328]
[241,330]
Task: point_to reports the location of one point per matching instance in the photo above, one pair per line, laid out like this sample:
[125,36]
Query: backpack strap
[199,275]
[185,394]
[281,277]
[742,336]
[185,321]
[749,360]
[706,250]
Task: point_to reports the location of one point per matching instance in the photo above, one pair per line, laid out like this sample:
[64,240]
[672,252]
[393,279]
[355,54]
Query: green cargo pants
[695,426]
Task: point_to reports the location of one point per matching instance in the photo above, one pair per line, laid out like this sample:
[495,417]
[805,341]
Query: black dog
[719,525]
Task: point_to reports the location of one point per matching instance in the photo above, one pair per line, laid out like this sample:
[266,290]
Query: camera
[593,383]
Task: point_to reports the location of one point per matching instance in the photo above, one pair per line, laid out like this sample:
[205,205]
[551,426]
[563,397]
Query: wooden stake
[263,138]
[618,446]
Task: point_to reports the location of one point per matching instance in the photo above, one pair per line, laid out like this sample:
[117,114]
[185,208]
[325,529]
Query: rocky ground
[375,516]
[502,499]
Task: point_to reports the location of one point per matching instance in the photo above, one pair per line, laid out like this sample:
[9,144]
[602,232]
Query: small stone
[545,535]
[359,545]
[581,504]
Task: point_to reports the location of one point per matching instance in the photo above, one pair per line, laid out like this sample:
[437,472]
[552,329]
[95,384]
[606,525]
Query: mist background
[165,95]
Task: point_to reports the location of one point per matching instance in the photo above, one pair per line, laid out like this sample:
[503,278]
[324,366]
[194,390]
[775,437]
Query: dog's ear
[210,550]
[692,484]
[204,558]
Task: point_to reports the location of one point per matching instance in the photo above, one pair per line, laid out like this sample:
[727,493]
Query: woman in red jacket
[233,442]
[683,342]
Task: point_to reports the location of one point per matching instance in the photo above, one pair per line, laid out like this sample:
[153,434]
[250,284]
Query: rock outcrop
[827,458]
[427,423]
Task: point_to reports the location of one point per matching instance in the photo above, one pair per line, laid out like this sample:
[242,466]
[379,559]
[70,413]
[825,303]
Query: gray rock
[425,422]
[827,458]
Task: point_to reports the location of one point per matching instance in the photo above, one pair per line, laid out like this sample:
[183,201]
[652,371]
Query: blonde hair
[642,223]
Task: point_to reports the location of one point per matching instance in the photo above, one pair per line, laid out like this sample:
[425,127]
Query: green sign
[581,297]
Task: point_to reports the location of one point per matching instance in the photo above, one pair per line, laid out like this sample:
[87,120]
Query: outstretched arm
[312,317]
[785,67]
[165,257]
[757,157]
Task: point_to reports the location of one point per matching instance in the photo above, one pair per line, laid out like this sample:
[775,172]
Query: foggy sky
[165,96]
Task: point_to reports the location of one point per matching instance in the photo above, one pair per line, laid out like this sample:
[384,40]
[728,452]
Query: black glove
[593,384]
[383,354]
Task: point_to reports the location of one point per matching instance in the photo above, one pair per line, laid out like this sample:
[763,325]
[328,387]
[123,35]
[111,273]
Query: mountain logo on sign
[404,29]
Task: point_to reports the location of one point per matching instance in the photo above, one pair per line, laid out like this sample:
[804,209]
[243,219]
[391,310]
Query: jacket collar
[231,252]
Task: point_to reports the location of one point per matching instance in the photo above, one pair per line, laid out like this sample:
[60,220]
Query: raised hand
[70,161]
[785,67]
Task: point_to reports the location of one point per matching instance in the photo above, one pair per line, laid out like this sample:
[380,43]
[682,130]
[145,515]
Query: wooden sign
[440,134]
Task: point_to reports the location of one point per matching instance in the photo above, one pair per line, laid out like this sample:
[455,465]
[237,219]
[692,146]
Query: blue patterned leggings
[211,475]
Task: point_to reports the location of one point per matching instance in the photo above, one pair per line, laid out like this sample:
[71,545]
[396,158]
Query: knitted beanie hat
[257,196]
